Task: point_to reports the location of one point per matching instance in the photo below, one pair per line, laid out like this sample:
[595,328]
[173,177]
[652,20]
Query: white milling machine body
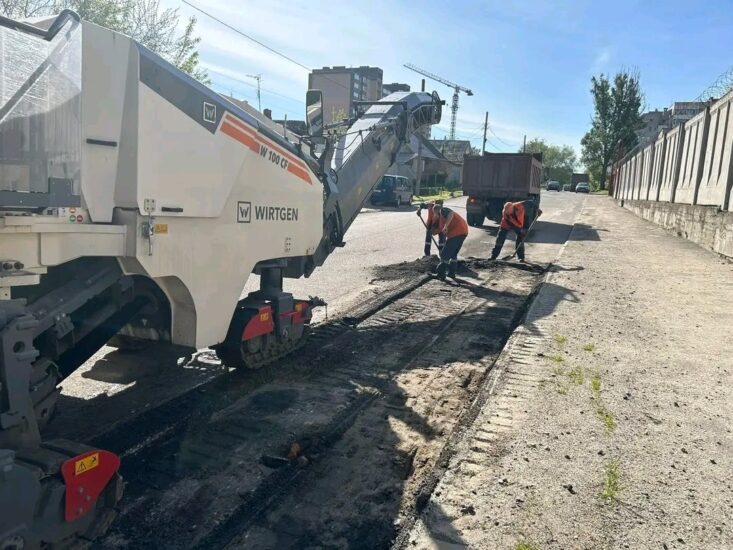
[134,198]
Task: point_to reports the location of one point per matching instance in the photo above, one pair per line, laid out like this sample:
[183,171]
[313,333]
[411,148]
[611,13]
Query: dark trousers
[449,256]
[429,241]
[501,237]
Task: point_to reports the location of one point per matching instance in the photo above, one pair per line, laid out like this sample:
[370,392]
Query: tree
[142,20]
[559,160]
[616,119]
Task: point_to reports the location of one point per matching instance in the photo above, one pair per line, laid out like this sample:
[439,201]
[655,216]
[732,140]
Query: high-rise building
[682,111]
[394,87]
[654,122]
[341,86]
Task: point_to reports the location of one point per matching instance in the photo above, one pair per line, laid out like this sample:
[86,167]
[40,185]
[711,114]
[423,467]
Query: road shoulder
[609,421]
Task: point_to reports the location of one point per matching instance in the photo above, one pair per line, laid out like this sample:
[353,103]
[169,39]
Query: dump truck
[492,179]
[136,202]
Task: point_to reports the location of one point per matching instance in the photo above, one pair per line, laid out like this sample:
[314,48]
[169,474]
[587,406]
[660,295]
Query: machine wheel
[475,220]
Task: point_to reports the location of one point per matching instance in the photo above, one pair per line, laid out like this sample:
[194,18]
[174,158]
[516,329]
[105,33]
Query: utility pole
[524,147]
[258,78]
[419,153]
[486,127]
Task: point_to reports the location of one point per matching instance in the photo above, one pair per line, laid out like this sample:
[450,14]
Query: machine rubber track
[234,356]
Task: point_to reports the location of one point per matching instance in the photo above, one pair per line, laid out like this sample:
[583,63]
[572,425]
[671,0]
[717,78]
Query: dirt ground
[609,424]
[337,446]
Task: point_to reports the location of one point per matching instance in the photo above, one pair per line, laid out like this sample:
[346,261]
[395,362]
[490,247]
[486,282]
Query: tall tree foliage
[143,20]
[616,119]
[559,160]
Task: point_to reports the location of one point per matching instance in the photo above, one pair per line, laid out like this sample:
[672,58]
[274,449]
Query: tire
[475,220]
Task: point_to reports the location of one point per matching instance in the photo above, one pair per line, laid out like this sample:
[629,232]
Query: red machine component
[263,323]
[86,475]
[260,324]
[301,314]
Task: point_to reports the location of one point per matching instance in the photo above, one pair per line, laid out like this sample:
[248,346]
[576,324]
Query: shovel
[428,230]
[521,242]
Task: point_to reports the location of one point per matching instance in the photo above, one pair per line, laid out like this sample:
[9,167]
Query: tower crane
[456,89]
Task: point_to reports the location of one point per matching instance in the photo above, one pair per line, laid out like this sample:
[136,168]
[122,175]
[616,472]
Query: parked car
[395,190]
[582,187]
[553,186]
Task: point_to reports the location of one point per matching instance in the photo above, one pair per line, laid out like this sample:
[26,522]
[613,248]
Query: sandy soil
[610,422]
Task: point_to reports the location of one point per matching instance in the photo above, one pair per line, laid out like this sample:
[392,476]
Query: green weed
[612,481]
[606,417]
[557,358]
[524,545]
[560,340]
[576,376]
[595,384]
[589,347]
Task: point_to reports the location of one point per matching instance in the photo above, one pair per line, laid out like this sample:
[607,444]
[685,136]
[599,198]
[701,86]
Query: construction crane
[456,89]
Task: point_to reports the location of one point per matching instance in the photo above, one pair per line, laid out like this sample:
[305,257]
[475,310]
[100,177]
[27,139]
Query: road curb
[520,341]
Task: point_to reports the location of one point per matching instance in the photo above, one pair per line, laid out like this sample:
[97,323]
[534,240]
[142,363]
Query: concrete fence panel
[647,156]
[693,153]
[630,166]
[717,175]
[671,164]
[657,166]
[635,176]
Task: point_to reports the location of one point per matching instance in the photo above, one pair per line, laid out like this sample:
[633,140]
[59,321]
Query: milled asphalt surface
[388,236]
[609,424]
[127,383]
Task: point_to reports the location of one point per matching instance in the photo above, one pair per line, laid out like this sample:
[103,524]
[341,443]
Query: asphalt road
[387,236]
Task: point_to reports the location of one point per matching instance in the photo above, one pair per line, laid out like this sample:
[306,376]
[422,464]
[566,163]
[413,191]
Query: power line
[224,75]
[227,25]
[501,140]
[273,50]
[231,90]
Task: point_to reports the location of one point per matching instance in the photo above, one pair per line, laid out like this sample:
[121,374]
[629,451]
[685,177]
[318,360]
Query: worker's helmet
[508,209]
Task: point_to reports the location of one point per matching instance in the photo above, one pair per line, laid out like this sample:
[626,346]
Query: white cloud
[601,60]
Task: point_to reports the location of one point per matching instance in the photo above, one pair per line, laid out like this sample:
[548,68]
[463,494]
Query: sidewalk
[612,408]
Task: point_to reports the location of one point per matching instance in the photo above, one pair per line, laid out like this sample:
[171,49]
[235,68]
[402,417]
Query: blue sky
[528,63]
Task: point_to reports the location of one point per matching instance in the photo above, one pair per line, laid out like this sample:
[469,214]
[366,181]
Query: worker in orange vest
[455,229]
[517,217]
[432,228]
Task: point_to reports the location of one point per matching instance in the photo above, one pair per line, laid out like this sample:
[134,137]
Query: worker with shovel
[517,217]
[455,229]
[432,228]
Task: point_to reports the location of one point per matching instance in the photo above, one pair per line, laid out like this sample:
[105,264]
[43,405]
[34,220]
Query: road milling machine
[135,202]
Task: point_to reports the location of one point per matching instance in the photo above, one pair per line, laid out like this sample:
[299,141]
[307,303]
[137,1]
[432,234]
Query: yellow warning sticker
[298,307]
[161,228]
[264,316]
[85,464]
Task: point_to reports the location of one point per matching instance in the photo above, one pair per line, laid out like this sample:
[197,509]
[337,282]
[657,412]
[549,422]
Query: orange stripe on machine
[268,150]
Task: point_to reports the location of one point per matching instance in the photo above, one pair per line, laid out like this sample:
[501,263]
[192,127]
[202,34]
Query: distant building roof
[295,126]
[452,149]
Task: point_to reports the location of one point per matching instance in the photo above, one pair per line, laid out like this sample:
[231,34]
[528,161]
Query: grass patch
[606,417]
[524,545]
[560,340]
[595,384]
[441,195]
[589,347]
[612,481]
[576,376]
[557,358]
